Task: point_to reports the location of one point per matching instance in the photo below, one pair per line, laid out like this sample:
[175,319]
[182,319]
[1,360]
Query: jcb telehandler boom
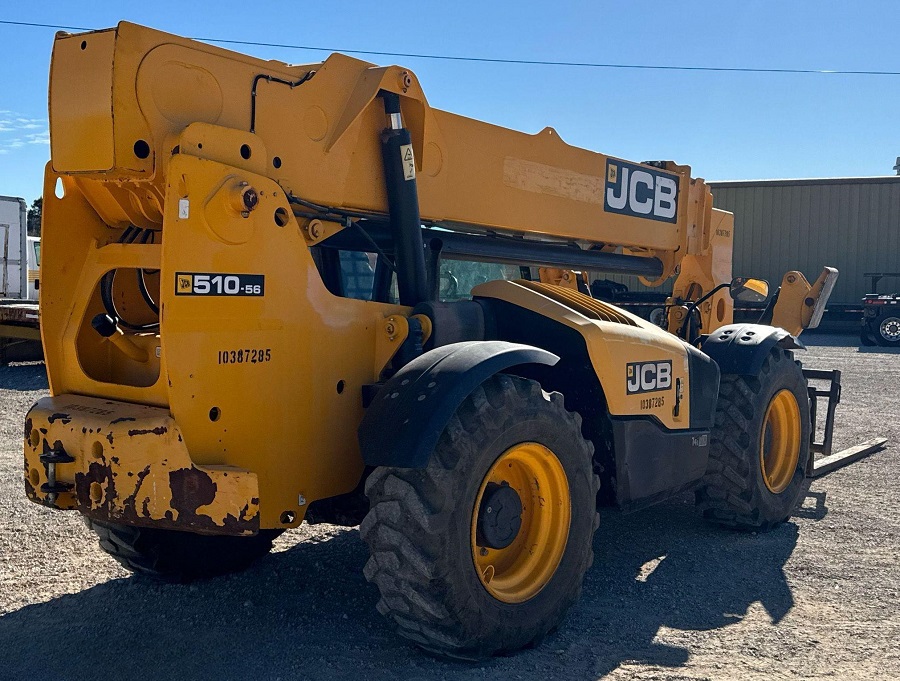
[248,321]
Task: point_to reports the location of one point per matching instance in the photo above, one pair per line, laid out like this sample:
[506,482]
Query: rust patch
[29,488]
[129,502]
[27,429]
[46,449]
[191,489]
[239,525]
[59,416]
[122,420]
[99,473]
[43,430]
[159,430]
[110,437]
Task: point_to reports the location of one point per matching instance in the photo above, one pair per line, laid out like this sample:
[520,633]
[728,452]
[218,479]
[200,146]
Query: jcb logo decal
[648,377]
[640,191]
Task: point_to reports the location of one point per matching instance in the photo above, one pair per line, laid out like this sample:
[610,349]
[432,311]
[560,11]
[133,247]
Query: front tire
[172,556]
[759,451]
[458,573]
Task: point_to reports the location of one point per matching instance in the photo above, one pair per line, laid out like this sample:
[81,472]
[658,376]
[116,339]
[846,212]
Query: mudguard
[742,348]
[407,416]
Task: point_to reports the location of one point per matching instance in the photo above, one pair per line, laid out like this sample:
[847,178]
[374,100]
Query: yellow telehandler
[274,293]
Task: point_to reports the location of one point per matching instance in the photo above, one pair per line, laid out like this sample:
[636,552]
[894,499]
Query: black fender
[742,348]
[407,416]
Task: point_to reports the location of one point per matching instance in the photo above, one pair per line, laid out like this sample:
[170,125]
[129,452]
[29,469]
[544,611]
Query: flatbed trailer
[20,331]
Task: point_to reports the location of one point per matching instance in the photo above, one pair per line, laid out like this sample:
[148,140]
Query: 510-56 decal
[218,284]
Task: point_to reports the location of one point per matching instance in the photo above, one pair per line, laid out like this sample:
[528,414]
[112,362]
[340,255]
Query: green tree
[33,219]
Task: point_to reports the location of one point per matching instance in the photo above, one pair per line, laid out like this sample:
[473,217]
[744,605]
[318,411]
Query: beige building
[849,223]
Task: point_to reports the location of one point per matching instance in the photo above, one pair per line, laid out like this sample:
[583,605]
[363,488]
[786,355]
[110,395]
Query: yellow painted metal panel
[612,346]
[324,133]
[288,394]
[81,106]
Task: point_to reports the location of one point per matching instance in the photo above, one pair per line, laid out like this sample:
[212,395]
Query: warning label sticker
[409,162]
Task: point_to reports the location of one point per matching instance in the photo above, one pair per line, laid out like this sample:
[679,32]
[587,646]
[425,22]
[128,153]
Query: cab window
[459,277]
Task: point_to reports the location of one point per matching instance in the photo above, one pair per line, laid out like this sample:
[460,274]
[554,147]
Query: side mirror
[749,290]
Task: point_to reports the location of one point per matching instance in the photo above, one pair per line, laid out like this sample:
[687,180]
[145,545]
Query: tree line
[33,217]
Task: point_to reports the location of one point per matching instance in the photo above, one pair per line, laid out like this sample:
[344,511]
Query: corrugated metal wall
[850,223]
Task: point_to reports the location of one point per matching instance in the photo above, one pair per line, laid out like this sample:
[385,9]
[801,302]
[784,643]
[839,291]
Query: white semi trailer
[13,248]
[19,284]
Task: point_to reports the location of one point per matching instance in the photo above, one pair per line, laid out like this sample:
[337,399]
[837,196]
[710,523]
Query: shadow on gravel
[841,340]
[24,377]
[813,511]
[877,350]
[665,567]
[308,613]
[830,340]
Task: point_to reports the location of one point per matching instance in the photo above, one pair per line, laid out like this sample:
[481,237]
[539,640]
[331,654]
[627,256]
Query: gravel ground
[668,597]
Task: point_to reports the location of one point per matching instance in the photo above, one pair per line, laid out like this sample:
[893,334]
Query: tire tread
[172,556]
[407,524]
[728,494]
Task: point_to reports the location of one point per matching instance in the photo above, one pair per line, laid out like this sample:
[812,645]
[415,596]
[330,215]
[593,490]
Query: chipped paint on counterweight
[155,485]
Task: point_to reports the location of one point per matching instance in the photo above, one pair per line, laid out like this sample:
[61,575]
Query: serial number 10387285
[245,356]
[653,402]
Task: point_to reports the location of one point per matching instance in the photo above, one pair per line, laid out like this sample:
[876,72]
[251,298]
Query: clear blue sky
[725,125]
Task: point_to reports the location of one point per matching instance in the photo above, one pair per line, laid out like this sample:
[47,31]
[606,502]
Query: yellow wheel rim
[520,570]
[779,448]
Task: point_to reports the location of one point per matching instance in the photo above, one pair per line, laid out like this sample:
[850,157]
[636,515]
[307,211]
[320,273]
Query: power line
[26,23]
[490,60]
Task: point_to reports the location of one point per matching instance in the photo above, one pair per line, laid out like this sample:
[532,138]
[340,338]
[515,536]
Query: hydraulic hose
[107,283]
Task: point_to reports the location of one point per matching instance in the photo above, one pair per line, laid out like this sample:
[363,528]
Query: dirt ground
[668,597]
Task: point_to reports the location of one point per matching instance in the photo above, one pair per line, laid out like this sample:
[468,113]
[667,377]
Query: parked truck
[259,308]
[19,283]
[14,245]
[880,323]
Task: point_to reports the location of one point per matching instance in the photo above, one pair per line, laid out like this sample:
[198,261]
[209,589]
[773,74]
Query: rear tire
[174,556]
[755,478]
[888,332]
[426,555]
